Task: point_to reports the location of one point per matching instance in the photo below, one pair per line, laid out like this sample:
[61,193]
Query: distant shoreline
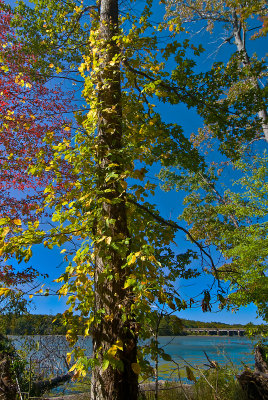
[43,324]
[82,336]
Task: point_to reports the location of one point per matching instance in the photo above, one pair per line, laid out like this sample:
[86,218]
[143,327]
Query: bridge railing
[217,331]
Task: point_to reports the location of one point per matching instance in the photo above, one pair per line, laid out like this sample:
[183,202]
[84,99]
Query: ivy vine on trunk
[114,340]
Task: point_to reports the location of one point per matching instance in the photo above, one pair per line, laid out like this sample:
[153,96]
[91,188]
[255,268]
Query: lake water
[190,350]
[223,349]
[49,351]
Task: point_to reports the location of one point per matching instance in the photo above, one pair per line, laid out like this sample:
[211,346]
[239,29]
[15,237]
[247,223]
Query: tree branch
[174,225]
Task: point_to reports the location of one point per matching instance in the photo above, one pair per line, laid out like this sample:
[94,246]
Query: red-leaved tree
[32,118]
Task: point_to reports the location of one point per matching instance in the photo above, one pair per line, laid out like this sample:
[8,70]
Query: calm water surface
[223,349]
[190,349]
[48,353]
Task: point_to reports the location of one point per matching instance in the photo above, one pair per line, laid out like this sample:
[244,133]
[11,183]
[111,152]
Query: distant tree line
[36,324]
[172,325]
[40,324]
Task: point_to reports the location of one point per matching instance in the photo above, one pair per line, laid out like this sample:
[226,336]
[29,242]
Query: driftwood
[255,383]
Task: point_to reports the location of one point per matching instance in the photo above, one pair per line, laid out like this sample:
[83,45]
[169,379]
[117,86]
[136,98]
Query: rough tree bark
[111,300]
[8,388]
[8,385]
[255,383]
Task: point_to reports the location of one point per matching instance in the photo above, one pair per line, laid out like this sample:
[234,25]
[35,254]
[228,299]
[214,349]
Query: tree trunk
[8,388]
[240,45]
[255,384]
[113,325]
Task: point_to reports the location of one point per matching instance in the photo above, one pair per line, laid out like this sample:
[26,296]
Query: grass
[213,384]
[170,391]
[218,384]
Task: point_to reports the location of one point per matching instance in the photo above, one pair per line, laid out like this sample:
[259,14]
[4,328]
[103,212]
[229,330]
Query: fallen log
[40,387]
[255,383]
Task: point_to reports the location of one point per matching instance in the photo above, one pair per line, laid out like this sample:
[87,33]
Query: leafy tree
[232,19]
[232,217]
[230,213]
[119,268]
[27,109]
[121,261]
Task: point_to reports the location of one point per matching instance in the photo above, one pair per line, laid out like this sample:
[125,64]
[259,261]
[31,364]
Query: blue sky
[169,204]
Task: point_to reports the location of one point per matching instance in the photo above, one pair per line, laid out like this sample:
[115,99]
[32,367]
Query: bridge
[216,331]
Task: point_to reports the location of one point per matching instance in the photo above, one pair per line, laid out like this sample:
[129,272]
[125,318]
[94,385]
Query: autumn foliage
[31,121]
[29,111]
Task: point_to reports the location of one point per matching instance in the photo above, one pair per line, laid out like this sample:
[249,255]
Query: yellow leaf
[136,368]
[20,82]
[132,260]
[82,67]
[105,364]
[51,65]
[119,344]
[112,351]
[5,232]
[130,281]
[4,291]
[68,357]
[108,240]
[30,296]
[67,128]
[170,28]
[72,368]
[17,222]
[28,85]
